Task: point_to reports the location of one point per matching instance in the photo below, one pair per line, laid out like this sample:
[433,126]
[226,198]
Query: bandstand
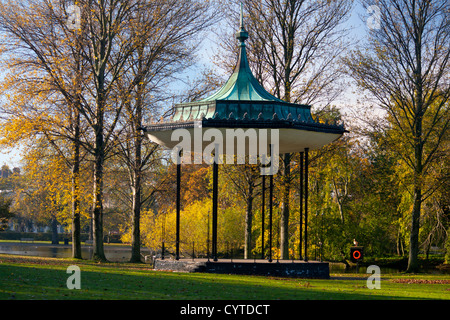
[241,105]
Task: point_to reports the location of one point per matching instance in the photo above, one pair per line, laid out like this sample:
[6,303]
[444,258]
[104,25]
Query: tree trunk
[284,224]
[399,245]
[136,233]
[76,144]
[54,230]
[137,174]
[97,215]
[413,261]
[341,211]
[136,210]
[76,226]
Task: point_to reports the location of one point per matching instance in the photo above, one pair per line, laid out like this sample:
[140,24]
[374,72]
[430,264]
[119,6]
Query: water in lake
[112,253]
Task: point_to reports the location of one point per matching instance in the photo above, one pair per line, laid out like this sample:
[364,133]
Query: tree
[167,49]
[77,54]
[43,192]
[44,85]
[5,211]
[406,68]
[117,30]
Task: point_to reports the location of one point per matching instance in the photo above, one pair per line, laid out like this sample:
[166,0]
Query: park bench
[89,242]
[27,239]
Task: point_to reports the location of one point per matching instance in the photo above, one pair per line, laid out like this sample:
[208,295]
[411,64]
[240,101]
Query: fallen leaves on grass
[420,281]
[306,284]
[30,260]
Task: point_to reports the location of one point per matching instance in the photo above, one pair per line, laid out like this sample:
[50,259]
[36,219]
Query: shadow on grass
[25,282]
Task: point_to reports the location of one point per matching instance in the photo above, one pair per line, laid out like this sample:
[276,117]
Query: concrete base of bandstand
[280,268]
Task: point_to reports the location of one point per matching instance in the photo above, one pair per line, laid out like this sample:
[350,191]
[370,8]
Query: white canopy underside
[290,140]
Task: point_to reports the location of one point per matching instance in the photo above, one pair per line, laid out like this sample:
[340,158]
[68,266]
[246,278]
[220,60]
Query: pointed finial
[242,34]
[242,16]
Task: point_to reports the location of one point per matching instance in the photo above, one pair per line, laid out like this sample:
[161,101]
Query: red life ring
[356,254]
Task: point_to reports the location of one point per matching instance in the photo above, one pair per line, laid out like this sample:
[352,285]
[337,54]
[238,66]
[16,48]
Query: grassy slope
[45,278]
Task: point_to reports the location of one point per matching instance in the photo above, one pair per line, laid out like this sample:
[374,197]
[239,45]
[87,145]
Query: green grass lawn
[24,278]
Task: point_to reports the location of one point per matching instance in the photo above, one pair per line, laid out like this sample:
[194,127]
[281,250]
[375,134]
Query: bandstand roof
[244,103]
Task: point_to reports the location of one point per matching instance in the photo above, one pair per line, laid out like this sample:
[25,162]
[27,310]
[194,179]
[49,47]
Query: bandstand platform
[276,268]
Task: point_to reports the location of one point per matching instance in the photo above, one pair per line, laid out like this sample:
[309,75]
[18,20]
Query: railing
[196,250]
[228,250]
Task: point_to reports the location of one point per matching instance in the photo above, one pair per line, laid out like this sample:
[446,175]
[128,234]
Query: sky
[12,157]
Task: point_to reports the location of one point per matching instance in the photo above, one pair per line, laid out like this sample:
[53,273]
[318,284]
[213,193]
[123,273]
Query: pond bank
[113,252]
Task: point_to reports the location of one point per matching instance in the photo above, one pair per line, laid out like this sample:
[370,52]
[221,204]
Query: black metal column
[270,216]
[177,244]
[207,239]
[163,236]
[263,207]
[214,210]
[306,202]
[300,245]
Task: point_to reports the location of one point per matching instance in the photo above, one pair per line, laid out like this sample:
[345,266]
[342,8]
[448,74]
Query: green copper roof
[242,85]
[242,101]
[242,97]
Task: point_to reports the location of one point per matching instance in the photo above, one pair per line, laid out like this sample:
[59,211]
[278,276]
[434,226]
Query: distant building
[5,172]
